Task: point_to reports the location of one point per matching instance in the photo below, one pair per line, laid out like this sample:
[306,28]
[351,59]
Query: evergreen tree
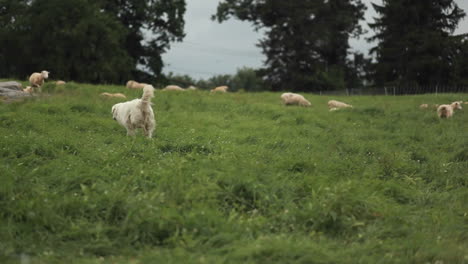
[415,47]
[306,42]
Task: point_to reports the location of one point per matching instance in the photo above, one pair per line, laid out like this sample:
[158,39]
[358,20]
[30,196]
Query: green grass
[232,178]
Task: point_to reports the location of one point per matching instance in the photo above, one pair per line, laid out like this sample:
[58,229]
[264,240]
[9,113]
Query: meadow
[232,178]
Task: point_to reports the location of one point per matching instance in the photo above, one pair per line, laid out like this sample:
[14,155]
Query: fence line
[397,90]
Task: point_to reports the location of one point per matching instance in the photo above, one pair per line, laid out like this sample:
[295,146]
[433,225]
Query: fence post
[394,91]
[385,88]
[436,89]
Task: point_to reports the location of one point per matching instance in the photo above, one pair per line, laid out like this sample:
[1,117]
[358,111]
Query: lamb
[37,79]
[294,99]
[447,110]
[191,87]
[60,82]
[135,85]
[173,88]
[113,95]
[137,113]
[337,104]
[222,89]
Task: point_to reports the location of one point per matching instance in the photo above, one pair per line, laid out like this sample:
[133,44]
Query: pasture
[232,178]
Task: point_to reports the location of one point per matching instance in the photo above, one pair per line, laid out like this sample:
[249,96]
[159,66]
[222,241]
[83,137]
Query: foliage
[232,178]
[415,46]
[82,40]
[303,40]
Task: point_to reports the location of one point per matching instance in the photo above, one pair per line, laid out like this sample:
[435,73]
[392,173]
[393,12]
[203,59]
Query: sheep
[222,89]
[424,106]
[447,110]
[294,99]
[113,95]
[338,105]
[28,89]
[135,85]
[60,82]
[193,88]
[173,88]
[37,79]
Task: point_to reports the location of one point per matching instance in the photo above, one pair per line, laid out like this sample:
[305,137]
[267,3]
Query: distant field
[232,178]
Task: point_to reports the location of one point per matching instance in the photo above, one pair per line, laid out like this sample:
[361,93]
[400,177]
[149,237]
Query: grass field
[232,178]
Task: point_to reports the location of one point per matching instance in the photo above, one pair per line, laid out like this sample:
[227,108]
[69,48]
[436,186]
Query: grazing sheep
[135,85]
[28,89]
[173,88]
[137,113]
[447,110]
[337,104]
[115,95]
[37,79]
[465,103]
[222,89]
[193,88]
[424,106]
[294,99]
[60,82]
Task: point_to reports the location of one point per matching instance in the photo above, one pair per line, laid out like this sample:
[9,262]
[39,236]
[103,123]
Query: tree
[161,21]
[247,80]
[414,46]
[86,40]
[305,42]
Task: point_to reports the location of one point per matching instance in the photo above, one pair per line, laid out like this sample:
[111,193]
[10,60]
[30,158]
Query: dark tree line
[306,42]
[99,41]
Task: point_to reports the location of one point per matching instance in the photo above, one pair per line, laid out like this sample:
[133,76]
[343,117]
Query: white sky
[210,48]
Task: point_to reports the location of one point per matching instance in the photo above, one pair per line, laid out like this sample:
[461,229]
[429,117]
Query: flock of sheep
[37,80]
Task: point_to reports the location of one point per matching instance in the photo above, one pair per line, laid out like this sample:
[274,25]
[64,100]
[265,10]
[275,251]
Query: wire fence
[397,90]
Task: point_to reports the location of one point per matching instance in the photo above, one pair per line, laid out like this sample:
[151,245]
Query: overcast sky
[210,48]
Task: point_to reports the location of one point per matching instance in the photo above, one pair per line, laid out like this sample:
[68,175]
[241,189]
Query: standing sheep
[447,110]
[37,79]
[294,99]
[222,89]
[135,85]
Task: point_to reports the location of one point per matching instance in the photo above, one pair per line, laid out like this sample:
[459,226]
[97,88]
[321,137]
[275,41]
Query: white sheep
[222,89]
[135,85]
[338,105]
[447,110]
[423,106]
[191,87]
[114,95]
[28,89]
[60,82]
[294,99]
[37,79]
[173,88]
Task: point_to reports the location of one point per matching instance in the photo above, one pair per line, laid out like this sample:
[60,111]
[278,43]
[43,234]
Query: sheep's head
[456,105]
[45,74]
